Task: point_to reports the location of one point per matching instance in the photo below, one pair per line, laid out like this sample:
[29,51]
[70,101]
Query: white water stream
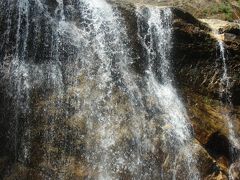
[129,126]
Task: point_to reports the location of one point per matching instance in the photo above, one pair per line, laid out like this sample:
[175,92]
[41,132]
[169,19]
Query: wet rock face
[232,41]
[196,56]
[234,169]
[54,120]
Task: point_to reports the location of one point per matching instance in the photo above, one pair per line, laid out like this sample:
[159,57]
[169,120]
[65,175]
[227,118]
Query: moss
[215,9]
[223,8]
[207,99]
[227,10]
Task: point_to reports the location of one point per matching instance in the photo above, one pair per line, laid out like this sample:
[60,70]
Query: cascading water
[225,95]
[104,68]
[82,104]
[25,76]
[157,42]
[19,80]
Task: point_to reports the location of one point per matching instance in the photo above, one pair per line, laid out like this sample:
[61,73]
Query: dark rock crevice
[218,146]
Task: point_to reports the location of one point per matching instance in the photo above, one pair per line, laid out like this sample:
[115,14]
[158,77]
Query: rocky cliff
[54,124]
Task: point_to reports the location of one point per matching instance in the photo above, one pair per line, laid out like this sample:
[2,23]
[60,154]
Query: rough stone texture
[194,61]
[198,71]
[217,9]
[210,127]
[195,55]
[196,58]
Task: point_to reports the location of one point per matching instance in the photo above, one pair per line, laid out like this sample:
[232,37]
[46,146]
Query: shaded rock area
[207,116]
[205,79]
[197,71]
[209,124]
[196,57]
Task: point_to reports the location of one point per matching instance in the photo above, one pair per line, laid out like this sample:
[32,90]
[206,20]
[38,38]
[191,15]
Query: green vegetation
[224,8]
[227,10]
[212,9]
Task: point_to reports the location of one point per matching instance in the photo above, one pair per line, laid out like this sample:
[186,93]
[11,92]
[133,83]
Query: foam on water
[157,41]
[87,80]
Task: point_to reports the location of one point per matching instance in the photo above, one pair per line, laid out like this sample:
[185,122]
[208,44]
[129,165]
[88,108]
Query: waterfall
[19,80]
[157,42]
[79,102]
[225,95]
[24,76]
[103,59]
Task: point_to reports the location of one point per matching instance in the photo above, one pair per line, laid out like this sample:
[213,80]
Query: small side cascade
[225,95]
[227,106]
